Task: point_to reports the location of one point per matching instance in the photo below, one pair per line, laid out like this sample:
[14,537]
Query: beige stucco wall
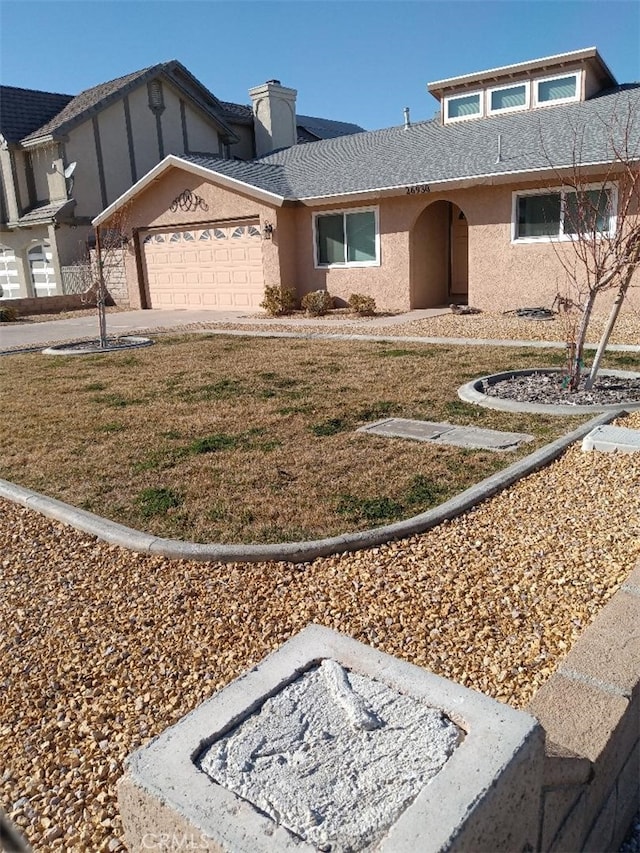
[8,187]
[143,130]
[115,154]
[171,122]
[21,174]
[86,188]
[244,149]
[151,209]
[201,136]
[413,246]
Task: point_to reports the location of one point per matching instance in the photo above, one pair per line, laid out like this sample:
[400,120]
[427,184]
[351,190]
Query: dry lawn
[232,439]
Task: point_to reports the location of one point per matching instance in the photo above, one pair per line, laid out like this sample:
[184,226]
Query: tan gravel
[102,649]
[486,325]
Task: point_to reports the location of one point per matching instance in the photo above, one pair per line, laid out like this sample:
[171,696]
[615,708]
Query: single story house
[64,158]
[474,206]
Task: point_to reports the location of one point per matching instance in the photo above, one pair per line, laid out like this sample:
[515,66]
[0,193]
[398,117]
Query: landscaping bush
[7,314]
[278,300]
[317,303]
[365,306]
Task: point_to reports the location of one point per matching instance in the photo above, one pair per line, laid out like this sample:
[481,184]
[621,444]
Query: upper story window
[563,214]
[506,98]
[520,95]
[460,107]
[347,238]
[556,90]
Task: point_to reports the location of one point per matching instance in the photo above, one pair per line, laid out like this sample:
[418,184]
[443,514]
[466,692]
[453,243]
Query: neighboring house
[64,158]
[468,207]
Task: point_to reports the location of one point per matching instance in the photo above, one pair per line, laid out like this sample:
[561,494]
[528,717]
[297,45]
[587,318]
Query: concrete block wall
[590,711]
[570,780]
[47,304]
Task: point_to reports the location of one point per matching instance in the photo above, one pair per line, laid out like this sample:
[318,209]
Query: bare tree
[102,264]
[599,247]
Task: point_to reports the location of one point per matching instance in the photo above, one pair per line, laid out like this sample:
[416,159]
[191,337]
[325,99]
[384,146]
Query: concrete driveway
[26,335]
[121,323]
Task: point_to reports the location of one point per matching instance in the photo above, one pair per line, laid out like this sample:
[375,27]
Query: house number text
[418,189]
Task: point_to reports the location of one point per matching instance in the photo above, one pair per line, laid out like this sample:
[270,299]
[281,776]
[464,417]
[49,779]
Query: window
[557,90]
[460,107]
[346,238]
[508,98]
[563,214]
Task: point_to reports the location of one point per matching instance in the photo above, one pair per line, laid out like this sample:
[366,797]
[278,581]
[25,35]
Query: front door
[459,284]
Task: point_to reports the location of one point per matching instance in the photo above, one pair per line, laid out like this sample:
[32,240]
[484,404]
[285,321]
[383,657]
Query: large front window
[346,238]
[564,214]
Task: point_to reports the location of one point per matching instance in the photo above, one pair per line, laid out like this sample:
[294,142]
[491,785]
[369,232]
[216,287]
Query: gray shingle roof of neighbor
[324,128]
[310,128]
[89,101]
[428,152]
[25,110]
[46,212]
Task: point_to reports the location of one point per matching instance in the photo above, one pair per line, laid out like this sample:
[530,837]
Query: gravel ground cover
[486,325]
[102,649]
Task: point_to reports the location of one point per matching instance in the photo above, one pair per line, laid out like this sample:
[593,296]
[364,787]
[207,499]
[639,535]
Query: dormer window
[504,99]
[556,90]
[461,107]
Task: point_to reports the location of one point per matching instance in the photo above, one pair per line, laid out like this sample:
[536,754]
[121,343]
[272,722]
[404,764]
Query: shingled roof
[309,128]
[431,153]
[25,110]
[78,108]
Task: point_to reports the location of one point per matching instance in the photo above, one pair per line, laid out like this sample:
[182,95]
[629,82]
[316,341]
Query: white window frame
[562,191]
[527,97]
[479,114]
[536,83]
[346,212]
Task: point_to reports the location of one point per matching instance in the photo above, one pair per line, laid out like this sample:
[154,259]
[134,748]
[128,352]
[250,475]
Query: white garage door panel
[208,268]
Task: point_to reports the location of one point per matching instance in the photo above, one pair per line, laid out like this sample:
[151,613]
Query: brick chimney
[274,116]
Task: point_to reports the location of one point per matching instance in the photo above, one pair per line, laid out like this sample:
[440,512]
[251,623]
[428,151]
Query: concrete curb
[471,393]
[297,552]
[92,347]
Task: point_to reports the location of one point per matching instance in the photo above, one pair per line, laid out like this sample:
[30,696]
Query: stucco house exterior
[64,158]
[471,206]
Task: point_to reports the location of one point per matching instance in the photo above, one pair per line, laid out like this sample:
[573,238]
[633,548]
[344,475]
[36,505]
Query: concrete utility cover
[612,439]
[335,756]
[444,433]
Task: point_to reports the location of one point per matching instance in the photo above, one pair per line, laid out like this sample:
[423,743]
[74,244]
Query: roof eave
[173,161]
[437,87]
[161,70]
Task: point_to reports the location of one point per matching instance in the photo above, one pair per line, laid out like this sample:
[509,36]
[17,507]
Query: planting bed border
[126,342]
[472,393]
[298,552]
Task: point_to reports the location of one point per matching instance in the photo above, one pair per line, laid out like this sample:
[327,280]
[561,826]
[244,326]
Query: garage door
[9,284]
[216,267]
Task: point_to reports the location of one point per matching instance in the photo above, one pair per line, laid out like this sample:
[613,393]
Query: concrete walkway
[15,336]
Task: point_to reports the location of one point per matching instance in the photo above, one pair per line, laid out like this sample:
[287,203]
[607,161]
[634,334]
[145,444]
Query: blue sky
[354,60]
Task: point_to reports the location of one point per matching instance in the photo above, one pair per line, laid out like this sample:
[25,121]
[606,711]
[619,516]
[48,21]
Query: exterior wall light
[267,230]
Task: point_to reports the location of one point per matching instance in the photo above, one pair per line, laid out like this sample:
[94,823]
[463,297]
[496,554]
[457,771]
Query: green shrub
[317,302]
[8,314]
[364,306]
[278,300]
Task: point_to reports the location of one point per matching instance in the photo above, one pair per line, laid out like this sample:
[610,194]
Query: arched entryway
[440,256]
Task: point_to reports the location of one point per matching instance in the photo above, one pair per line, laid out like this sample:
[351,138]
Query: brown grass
[236,439]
